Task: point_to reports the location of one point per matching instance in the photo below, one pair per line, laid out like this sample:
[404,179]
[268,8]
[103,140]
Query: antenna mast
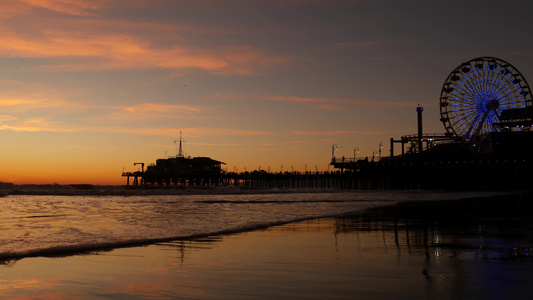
[180,152]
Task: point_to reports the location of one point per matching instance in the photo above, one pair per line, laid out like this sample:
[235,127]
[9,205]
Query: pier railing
[340,160]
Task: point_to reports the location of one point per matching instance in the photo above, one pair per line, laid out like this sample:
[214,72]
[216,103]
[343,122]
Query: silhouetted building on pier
[179,171]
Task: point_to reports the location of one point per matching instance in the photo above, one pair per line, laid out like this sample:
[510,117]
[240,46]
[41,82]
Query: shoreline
[427,211]
[469,248]
[120,190]
[104,190]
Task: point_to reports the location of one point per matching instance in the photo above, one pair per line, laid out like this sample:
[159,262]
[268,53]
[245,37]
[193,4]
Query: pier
[384,174]
[487,146]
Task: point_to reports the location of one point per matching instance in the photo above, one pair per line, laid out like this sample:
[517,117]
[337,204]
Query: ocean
[58,225]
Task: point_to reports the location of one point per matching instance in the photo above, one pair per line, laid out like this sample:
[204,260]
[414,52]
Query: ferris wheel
[475,93]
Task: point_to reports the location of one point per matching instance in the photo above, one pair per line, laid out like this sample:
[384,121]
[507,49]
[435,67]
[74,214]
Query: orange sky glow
[87,88]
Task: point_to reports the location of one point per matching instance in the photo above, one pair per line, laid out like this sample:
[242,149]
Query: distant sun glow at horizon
[87,88]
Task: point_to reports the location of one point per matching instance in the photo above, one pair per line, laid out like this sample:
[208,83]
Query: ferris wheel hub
[492,105]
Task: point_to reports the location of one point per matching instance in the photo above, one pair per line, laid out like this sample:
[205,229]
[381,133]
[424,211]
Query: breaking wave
[65,225]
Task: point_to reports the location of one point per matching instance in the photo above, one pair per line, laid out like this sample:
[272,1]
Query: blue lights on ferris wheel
[475,93]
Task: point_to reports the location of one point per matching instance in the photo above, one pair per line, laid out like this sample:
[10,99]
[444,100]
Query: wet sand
[467,249]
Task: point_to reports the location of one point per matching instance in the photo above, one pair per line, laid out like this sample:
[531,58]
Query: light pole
[354,151]
[380,147]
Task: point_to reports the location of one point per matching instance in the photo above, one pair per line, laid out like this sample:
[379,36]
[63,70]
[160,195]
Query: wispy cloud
[334,133]
[295,99]
[318,102]
[17,96]
[331,107]
[33,125]
[10,123]
[155,111]
[175,132]
[32,103]
[7,118]
[223,131]
[70,7]
[99,44]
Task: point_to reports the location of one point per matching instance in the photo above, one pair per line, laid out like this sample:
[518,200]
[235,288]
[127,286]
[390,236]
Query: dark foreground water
[465,249]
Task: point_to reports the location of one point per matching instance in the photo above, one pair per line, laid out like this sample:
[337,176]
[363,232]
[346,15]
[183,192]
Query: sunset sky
[87,88]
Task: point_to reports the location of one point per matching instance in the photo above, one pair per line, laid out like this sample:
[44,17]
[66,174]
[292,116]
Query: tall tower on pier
[419,111]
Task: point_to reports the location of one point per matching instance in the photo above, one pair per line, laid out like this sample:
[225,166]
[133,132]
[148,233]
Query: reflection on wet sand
[472,248]
[490,228]
[438,250]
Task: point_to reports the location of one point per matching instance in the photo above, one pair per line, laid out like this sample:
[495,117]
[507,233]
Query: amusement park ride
[478,93]
[487,112]
[483,102]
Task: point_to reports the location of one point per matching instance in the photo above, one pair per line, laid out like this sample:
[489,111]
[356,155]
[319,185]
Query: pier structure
[457,172]
[500,160]
[487,112]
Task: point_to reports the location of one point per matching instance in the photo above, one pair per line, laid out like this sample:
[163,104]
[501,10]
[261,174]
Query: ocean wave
[95,248]
[66,225]
[280,201]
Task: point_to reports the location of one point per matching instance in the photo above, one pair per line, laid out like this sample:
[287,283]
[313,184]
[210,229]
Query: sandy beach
[467,249]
